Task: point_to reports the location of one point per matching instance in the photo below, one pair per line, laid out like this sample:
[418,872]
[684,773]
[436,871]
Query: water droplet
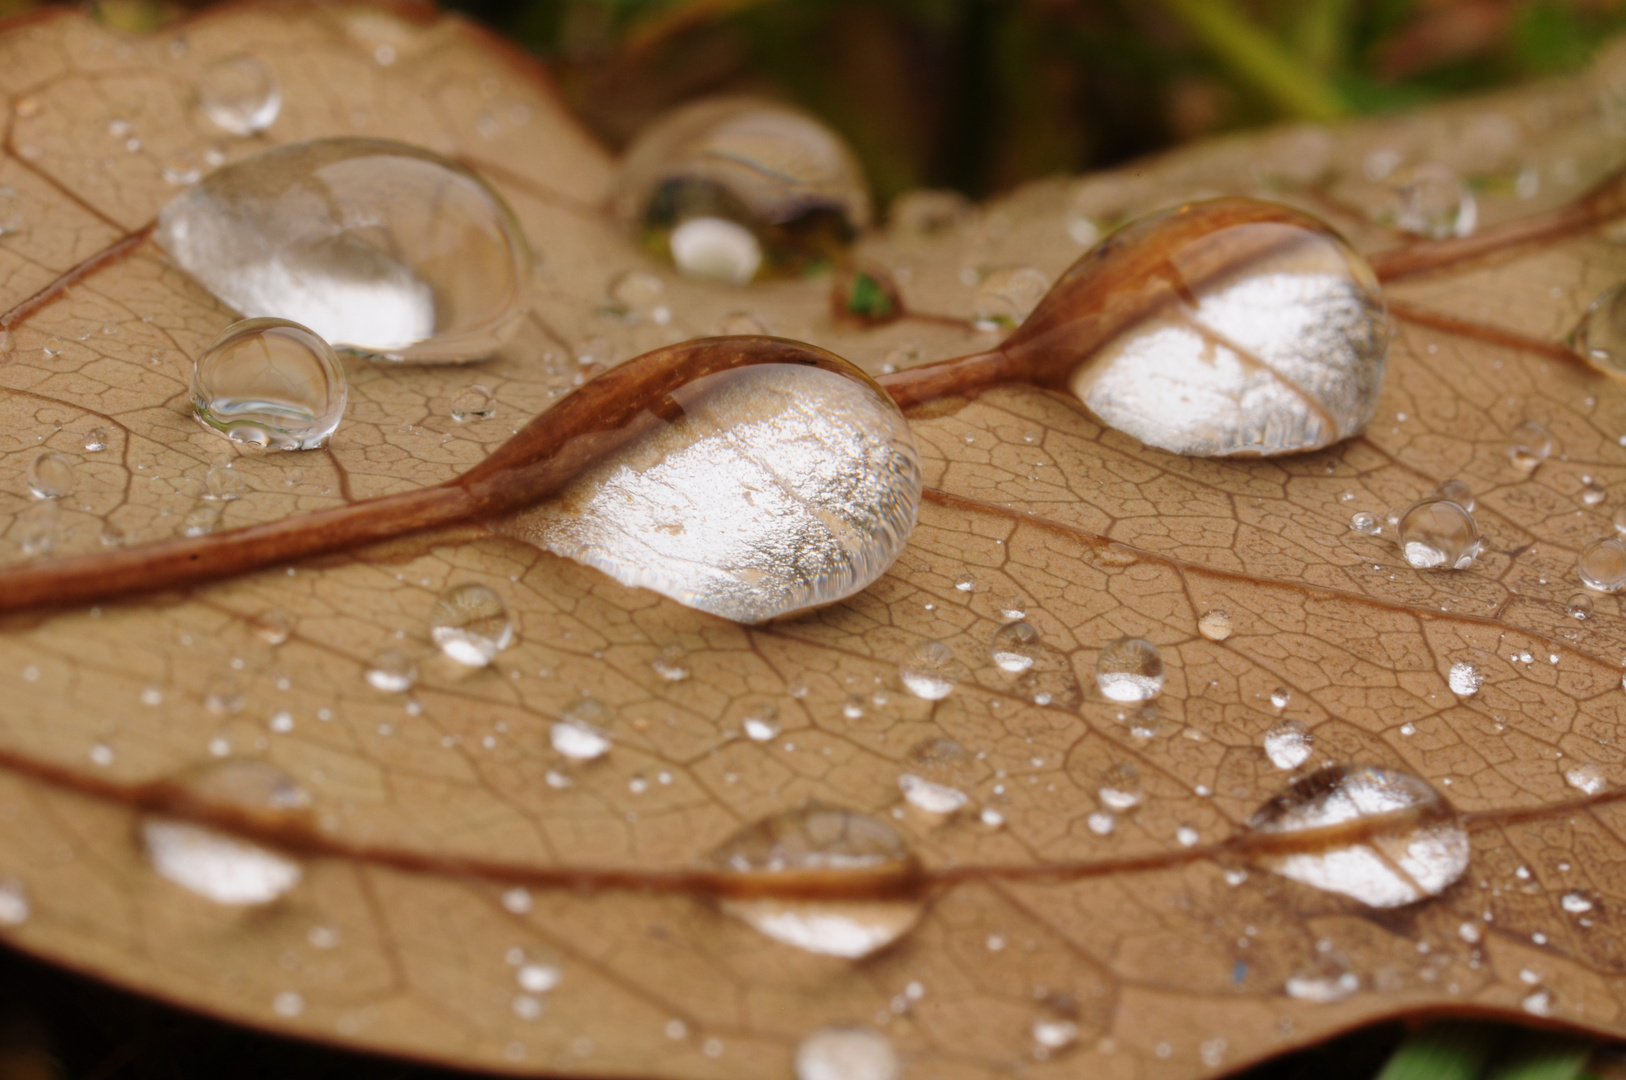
[1364,522]
[728,185]
[288,1004]
[1458,492]
[1437,534]
[928,672]
[1575,903]
[1056,1028]
[240,95]
[1600,337]
[1620,521]
[50,476]
[96,440]
[966,582]
[1465,679]
[1121,788]
[15,907]
[846,1053]
[1129,669]
[269,383]
[640,295]
[1411,846]
[182,168]
[473,403]
[1280,697]
[1430,200]
[1602,565]
[1215,625]
[392,672]
[1322,987]
[218,866]
[1270,336]
[763,724]
[201,520]
[1579,606]
[938,768]
[1529,445]
[1288,745]
[779,487]
[1016,647]
[1592,492]
[470,624]
[1007,295]
[1587,779]
[826,845]
[375,246]
[577,733]
[1538,1003]
[223,483]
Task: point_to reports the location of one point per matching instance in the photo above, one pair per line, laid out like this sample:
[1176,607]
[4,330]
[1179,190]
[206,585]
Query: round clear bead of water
[1438,534]
[269,383]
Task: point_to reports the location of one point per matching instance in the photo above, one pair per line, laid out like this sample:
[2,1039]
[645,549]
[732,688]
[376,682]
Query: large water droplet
[727,185]
[1465,679]
[1224,327]
[846,1053]
[1380,836]
[271,383]
[1288,745]
[50,476]
[1129,669]
[240,95]
[1438,534]
[1602,565]
[929,671]
[774,487]
[812,846]
[1015,647]
[470,624]
[214,864]
[376,246]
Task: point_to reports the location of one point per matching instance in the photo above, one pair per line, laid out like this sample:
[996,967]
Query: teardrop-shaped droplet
[929,671]
[1602,565]
[814,848]
[846,1053]
[1231,326]
[240,95]
[1601,335]
[763,489]
[728,186]
[271,383]
[1438,534]
[470,624]
[376,246]
[1015,647]
[1378,835]
[50,476]
[1129,669]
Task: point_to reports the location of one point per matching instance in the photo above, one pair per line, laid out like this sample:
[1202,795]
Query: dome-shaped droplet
[1458,492]
[1465,679]
[726,186]
[1129,669]
[1438,534]
[578,734]
[936,773]
[1288,745]
[1602,565]
[50,476]
[240,95]
[846,1053]
[470,624]
[376,246]
[270,383]
[1015,647]
[473,402]
[392,671]
[1601,335]
[1224,327]
[1380,836]
[1579,606]
[929,671]
[1428,199]
[820,848]
[1529,445]
[762,724]
[1121,788]
[1363,521]
[772,487]
[1587,779]
[1215,625]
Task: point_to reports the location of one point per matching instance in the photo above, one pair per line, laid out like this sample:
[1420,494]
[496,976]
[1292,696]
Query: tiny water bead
[1579,606]
[1288,745]
[1600,337]
[1438,534]
[1365,522]
[1015,647]
[1215,625]
[392,672]
[763,724]
[470,623]
[50,476]
[96,440]
[1377,835]
[270,383]
[1602,565]
[846,1053]
[473,403]
[729,188]
[1129,669]
[1231,326]
[815,846]
[774,487]
[240,95]
[376,246]
[1465,679]
[937,771]
[928,672]
[578,733]
[1529,445]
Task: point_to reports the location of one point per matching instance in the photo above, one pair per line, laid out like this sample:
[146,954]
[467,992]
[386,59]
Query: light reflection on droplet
[470,623]
[269,383]
[846,1053]
[240,95]
[1602,565]
[1129,669]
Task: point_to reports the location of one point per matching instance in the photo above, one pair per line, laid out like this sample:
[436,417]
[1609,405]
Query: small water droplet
[96,440]
[638,295]
[240,95]
[763,724]
[937,770]
[1007,295]
[846,1053]
[1602,565]
[269,383]
[470,624]
[1429,199]
[1575,903]
[928,672]
[1121,788]
[1013,609]
[1529,445]
[814,843]
[1465,679]
[577,733]
[392,672]
[15,907]
[224,483]
[1129,669]
[1437,534]
[1280,697]
[1600,337]
[1620,521]
[1322,987]
[1055,1030]
[288,1004]
[1215,625]
[50,476]
[671,664]
[1416,848]
[1458,492]
[376,246]
[1592,492]
[966,582]
[1579,606]
[1288,745]
[1015,647]
[473,403]
[216,865]
[1538,1003]
[1365,522]
[1587,779]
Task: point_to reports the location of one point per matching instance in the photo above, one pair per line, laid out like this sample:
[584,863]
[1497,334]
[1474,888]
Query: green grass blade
[1453,1050]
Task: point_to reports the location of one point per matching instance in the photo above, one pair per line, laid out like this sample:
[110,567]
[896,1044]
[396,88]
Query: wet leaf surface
[454,850]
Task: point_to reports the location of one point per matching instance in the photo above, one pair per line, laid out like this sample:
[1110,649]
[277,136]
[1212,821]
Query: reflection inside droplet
[846,1053]
[1129,669]
[1438,534]
[269,383]
[470,624]
[1602,565]
[240,95]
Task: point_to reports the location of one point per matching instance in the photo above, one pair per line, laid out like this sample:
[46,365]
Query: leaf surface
[451,838]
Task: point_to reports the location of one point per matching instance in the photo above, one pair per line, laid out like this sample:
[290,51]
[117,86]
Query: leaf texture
[449,850]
